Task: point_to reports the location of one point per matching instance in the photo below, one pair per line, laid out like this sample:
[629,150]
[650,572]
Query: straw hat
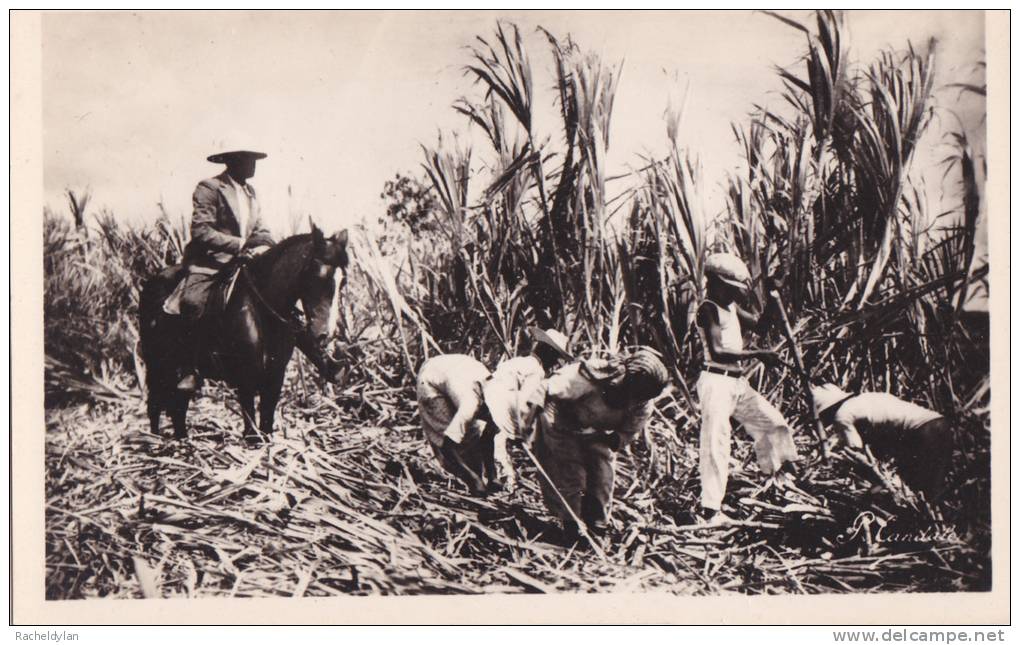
[828,396]
[604,370]
[552,338]
[728,268]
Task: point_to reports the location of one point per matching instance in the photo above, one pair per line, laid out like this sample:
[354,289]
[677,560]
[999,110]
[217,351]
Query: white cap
[827,396]
[728,268]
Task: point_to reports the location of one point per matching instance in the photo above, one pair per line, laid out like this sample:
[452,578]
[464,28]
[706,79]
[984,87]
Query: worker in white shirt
[918,440]
[725,393]
[457,425]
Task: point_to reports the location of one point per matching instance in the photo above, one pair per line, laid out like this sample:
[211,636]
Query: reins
[292,322]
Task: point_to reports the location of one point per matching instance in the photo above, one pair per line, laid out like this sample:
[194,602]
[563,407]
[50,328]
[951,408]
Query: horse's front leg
[272,385]
[179,414]
[268,399]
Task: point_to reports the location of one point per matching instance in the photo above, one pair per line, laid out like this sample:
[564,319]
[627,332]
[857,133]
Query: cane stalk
[581,527]
[805,379]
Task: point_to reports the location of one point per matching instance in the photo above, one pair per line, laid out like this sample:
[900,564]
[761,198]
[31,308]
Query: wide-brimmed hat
[555,339]
[226,157]
[728,268]
[828,396]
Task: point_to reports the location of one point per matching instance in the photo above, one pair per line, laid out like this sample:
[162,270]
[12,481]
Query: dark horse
[251,340]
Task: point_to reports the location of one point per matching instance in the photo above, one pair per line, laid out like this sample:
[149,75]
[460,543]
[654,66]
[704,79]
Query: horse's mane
[267,262]
[277,250]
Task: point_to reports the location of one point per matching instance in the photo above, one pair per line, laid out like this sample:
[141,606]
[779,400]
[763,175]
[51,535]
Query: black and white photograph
[461,303]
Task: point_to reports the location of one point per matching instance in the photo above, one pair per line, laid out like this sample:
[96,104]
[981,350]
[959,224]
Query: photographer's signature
[876,529]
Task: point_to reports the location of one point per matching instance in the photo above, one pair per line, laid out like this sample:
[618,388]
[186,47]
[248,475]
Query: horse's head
[320,292]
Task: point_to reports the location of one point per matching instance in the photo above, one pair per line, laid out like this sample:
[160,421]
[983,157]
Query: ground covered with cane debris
[337,507]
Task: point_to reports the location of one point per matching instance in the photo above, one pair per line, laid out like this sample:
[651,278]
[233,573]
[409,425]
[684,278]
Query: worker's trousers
[725,397]
[478,446]
[581,466]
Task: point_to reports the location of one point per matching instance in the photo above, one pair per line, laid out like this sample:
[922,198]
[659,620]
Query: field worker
[590,410]
[917,439]
[225,223]
[725,393]
[457,424]
[511,391]
[548,349]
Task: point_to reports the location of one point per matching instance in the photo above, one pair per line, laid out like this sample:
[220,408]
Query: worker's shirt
[243,213]
[576,403]
[455,377]
[731,336]
[878,416]
[519,370]
[514,394]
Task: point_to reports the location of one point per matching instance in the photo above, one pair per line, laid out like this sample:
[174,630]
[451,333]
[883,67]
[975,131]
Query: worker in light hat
[725,393]
[514,385]
[548,349]
[226,223]
[589,410]
[918,440]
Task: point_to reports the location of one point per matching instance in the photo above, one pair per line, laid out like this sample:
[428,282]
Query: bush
[91,282]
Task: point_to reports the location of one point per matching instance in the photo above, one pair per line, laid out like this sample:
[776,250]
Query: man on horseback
[226,223]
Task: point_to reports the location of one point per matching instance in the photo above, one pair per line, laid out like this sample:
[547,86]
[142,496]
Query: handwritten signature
[876,529]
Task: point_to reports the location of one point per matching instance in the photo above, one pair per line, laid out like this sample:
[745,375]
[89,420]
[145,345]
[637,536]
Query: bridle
[295,322]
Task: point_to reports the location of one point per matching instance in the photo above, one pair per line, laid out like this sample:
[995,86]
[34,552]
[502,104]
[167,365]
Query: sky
[133,103]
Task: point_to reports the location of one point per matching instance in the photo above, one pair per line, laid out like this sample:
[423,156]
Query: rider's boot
[190,379]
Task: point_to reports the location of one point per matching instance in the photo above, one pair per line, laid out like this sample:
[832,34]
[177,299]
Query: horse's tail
[147,299]
[154,292]
[158,286]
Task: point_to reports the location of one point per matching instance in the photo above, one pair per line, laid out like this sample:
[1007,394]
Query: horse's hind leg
[179,415]
[159,383]
[155,409]
[267,411]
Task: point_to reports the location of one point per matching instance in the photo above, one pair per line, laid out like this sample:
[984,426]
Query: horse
[251,340]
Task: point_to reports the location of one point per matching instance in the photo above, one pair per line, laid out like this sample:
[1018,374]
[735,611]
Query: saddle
[170,279]
[175,278]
